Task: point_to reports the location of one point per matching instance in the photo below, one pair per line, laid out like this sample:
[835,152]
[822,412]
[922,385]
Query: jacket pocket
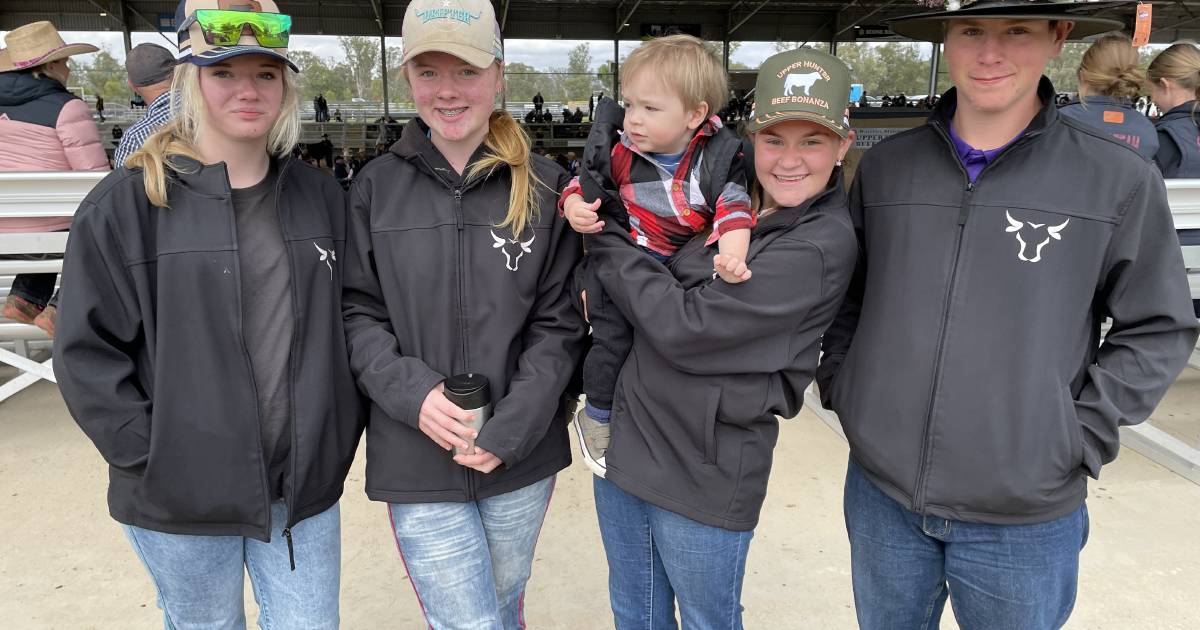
[712,404]
[1074,429]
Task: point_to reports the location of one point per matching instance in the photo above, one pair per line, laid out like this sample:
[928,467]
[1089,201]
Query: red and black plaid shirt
[667,209]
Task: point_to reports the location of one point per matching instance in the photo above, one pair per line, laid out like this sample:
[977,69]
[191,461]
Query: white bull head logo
[1035,231]
[512,255]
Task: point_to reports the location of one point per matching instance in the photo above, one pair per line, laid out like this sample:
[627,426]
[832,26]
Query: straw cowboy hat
[928,26]
[35,44]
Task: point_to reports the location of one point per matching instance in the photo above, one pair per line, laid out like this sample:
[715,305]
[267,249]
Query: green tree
[522,81]
[319,75]
[362,62]
[104,76]
[577,84]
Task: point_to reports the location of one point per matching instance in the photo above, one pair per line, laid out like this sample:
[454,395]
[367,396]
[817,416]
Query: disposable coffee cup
[470,392]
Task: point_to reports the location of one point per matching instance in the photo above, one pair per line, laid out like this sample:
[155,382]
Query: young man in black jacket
[966,363]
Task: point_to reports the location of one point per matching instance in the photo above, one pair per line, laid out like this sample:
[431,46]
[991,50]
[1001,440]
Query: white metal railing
[43,194]
[34,195]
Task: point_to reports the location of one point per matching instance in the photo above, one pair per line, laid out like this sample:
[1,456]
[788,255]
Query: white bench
[26,195]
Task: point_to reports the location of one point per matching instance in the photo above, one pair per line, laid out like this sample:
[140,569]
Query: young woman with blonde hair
[1174,84]
[201,346]
[457,262]
[1110,80]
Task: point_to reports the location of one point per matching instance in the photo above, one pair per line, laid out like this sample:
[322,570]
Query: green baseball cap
[802,84]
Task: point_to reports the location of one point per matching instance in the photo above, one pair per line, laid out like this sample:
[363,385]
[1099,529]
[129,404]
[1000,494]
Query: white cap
[466,29]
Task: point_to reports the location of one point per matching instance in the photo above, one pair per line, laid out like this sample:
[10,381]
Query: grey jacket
[151,362]
[433,289]
[1179,141]
[713,365]
[966,364]
[1117,117]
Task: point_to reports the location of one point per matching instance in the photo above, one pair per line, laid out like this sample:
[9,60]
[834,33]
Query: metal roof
[741,20]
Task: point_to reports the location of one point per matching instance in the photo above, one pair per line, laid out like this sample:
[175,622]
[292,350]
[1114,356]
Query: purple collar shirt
[974,159]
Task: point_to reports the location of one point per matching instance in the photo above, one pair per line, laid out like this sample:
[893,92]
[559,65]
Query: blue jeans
[199,578]
[999,577]
[469,562]
[656,556]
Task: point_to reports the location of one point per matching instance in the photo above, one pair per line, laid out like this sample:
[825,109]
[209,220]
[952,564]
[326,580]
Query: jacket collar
[1046,116]
[1183,110]
[212,179]
[415,146]
[1102,100]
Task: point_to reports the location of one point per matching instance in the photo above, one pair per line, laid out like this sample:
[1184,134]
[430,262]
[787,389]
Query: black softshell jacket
[966,364]
[713,365]
[433,289]
[151,361]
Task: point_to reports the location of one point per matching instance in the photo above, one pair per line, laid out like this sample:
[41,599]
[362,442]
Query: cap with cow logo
[802,84]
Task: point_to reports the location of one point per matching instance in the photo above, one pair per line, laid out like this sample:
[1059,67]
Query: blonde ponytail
[508,145]
[1179,63]
[179,136]
[1110,68]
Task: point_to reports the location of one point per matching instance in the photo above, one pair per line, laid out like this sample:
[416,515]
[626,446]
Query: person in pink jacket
[43,127]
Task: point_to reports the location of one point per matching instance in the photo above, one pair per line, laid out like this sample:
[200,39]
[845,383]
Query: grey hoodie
[966,363]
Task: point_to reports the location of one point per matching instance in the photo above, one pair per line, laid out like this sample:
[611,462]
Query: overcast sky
[541,54]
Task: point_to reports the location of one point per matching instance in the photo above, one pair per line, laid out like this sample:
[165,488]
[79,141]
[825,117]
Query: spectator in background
[578,118]
[591,106]
[337,114]
[566,114]
[572,164]
[538,101]
[1174,83]
[1109,80]
[100,107]
[43,127]
[137,101]
[150,68]
[530,117]
[325,151]
[117,132]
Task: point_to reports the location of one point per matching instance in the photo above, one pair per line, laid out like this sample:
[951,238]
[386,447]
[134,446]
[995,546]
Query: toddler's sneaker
[593,440]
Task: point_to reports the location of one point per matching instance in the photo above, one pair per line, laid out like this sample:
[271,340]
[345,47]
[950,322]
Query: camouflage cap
[802,84]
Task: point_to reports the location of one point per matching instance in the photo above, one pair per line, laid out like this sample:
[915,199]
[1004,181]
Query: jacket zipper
[918,501]
[457,191]
[290,499]
[462,318]
[266,484]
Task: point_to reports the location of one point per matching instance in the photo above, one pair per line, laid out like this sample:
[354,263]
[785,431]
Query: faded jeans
[997,577]
[199,578]
[656,557]
[469,562]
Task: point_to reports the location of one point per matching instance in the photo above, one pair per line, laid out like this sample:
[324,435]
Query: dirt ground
[65,564]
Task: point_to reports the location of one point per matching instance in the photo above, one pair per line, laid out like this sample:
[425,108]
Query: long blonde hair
[508,145]
[179,136]
[1110,67]
[1179,63]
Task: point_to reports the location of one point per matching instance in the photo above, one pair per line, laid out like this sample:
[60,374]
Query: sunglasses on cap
[221,27]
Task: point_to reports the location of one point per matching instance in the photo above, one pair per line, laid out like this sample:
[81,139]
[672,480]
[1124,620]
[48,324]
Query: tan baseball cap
[466,29]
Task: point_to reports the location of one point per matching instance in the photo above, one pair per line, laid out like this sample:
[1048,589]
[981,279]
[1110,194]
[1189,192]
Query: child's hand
[582,215]
[731,268]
